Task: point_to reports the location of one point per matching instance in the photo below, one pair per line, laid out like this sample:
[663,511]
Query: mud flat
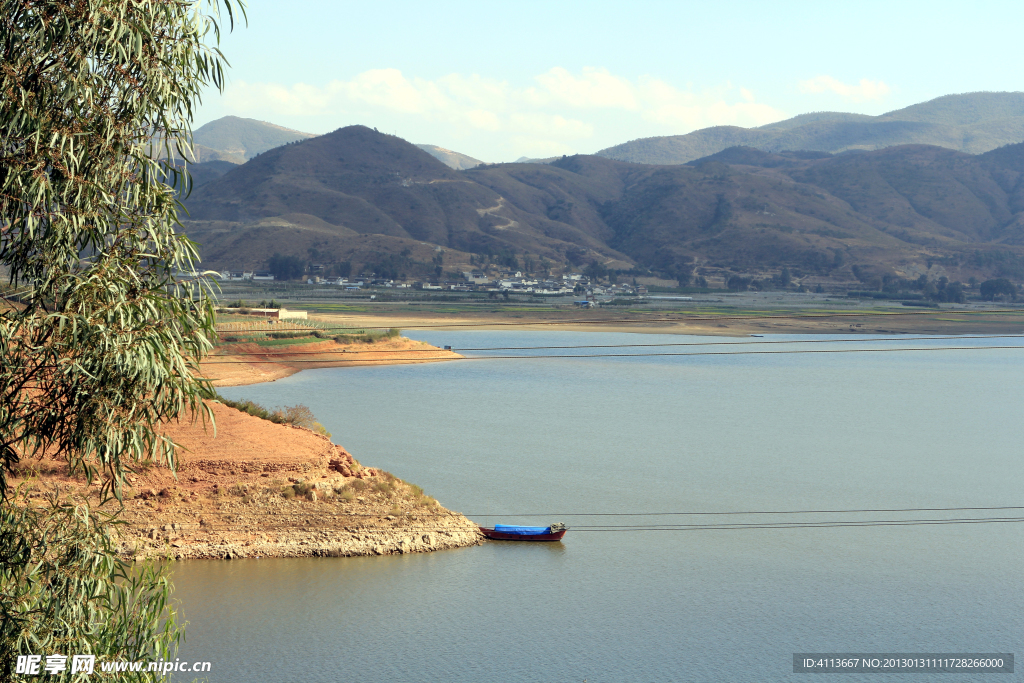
[718,317]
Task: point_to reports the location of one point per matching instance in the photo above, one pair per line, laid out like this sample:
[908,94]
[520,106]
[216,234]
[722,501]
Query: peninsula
[260,489]
[251,363]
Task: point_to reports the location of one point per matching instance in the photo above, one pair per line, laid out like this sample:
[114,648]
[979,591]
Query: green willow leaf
[99,341]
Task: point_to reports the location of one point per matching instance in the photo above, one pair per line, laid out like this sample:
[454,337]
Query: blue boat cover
[522,530]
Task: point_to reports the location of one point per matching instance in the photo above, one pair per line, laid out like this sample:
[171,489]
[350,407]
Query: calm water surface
[657,434]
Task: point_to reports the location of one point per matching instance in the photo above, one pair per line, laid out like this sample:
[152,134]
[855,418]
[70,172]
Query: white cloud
[560,109]
[538,148]
[483,92]
[389,89]
[277,99]
[865,90]
[555,126]
[595,88]
[483,119]
[669,106]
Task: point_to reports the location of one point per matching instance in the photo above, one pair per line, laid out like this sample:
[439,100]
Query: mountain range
[234,140]
[376,202]
[974,123]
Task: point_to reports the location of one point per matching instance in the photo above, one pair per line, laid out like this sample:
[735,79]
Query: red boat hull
[501,536]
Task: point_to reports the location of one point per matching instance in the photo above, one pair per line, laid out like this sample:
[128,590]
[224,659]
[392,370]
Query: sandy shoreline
[250,363]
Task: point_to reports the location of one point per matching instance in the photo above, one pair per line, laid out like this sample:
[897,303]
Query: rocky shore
[267,526]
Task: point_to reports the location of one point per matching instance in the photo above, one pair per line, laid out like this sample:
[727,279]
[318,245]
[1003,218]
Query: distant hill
[460,162]
[377,202]
[237,140]
[972,123]
[356,182]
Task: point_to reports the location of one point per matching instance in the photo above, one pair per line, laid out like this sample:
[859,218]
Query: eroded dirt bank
[260,489]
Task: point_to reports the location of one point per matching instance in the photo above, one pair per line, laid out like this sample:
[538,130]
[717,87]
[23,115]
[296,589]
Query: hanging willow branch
[99,342]
[99,339]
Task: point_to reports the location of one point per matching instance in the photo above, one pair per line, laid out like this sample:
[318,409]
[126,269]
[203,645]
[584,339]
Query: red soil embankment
[259,489]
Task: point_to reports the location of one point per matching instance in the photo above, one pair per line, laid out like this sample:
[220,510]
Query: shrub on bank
[384,488]
[250,407]
[367,337]
[300,489]
[299,415]
[291,335]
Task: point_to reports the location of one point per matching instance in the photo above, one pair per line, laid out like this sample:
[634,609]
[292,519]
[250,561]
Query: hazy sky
[500,80]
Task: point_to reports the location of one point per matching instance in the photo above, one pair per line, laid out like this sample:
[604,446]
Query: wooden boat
[508,532]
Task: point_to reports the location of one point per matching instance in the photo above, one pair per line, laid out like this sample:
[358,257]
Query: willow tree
[99,340]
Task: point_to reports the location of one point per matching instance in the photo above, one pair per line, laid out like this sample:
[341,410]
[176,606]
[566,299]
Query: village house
[476,278]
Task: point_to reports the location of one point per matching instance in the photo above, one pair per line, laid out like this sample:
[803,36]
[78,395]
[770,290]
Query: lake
[560,437]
